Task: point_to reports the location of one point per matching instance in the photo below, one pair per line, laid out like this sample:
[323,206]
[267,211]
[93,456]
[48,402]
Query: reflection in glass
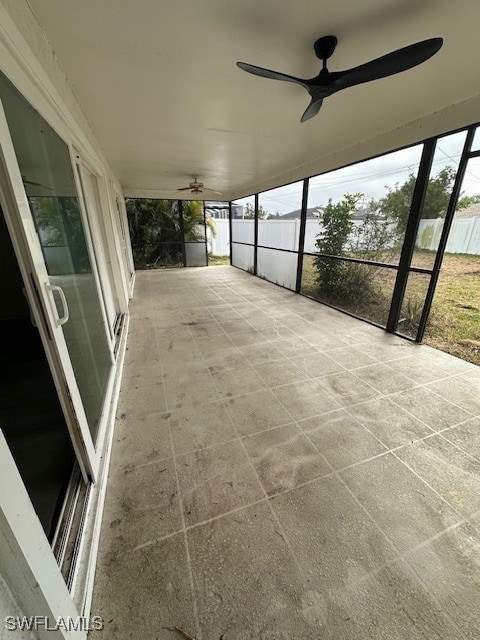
[439,189]
[47,173]
[279,212]
[364,290]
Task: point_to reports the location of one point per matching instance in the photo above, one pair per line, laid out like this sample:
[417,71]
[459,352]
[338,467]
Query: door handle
[64,318]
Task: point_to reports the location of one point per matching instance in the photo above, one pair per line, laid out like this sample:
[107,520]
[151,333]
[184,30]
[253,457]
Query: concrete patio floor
[283,471]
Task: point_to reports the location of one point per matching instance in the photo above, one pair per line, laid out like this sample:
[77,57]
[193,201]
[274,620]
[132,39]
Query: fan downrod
[324,47]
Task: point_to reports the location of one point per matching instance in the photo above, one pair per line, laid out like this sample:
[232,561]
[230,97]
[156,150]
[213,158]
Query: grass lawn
[375,308]
[215,261]
[454,324]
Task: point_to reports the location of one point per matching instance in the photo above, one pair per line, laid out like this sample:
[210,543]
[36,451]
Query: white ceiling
[158,82]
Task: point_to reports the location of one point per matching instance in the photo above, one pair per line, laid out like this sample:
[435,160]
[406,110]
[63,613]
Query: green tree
[156,229]
[370,239]
[250,212]
[193,228]
[337,227]
[337,224]
[376,237]
[396,204]
[59,223]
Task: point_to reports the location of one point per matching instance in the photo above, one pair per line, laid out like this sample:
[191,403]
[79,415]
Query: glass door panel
[92,202]
[121,226]
[67,271]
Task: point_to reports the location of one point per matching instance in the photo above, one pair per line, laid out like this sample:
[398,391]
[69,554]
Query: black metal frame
[230,229]
[205,232]
[411,231]
[225,205]
[255,237]
[246,244]
[404,267]
[182,230]
[371,263]
[264,246]
[301,238]
[447,225]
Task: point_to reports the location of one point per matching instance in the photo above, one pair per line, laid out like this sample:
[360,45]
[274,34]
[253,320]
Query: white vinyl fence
[464,235]
[283,234]
[219,246]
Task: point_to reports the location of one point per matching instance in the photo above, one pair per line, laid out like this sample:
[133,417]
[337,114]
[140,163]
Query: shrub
[374,238]
[336,278]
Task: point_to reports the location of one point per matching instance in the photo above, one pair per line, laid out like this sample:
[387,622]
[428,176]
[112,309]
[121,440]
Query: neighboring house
[317,212]
[238,211]
[312,212]
[217,210]
[472,211]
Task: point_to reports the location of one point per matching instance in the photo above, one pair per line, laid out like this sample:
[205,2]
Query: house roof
[472,211]
[159,85]
[316,212]
[292,215]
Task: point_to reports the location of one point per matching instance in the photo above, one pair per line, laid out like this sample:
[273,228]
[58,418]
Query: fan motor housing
[325,46]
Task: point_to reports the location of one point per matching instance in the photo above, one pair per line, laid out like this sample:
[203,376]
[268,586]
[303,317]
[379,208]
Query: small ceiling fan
[197,187]
[326,83]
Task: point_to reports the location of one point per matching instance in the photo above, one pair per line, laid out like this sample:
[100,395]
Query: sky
[372,177]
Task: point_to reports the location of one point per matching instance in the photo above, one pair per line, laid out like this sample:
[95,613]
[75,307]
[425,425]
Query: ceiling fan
[197,187]
[326,83]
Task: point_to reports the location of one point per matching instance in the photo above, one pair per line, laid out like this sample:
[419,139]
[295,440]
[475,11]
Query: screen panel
[279,267]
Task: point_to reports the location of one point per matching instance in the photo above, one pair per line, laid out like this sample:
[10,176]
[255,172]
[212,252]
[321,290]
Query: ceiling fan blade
[388,65]
[312,109]
[184,189]
[212,191]
[268,73]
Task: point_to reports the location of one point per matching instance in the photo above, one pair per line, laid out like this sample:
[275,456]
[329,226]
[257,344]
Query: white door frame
[115,241]
[26,559]
[106,230]
[94,251]
[27,248]
[122,226]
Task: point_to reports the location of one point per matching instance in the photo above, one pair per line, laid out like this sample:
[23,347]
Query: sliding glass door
[91,198]
[39,174]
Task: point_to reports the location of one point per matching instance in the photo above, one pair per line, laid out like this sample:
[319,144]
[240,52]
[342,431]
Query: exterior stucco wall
[36,38]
